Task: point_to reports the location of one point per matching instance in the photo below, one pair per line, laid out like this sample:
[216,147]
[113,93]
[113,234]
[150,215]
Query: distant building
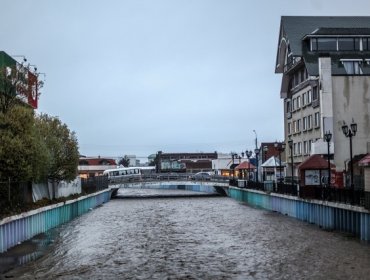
[185,162]
[91,167]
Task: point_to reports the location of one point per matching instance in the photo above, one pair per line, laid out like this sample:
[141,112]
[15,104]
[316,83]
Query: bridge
[212,185]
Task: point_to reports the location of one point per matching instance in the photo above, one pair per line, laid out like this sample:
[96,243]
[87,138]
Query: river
[193,238]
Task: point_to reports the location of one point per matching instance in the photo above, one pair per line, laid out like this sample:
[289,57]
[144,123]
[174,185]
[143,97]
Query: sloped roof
[97,161]
[315,162]
[272,162]
[295,28]
[245,165]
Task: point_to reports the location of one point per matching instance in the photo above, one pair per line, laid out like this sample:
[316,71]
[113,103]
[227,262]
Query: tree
[62,147]
[23,156]
[125,161]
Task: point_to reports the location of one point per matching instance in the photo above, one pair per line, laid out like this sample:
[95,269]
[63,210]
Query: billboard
[18,80]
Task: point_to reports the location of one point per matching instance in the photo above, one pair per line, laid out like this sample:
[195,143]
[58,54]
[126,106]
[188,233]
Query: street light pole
[290,143]
[248,154]
[327,137]
[350,132]
[257,151]
[281,148]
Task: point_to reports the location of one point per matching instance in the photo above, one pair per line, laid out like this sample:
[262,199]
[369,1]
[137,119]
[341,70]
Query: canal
[192,238]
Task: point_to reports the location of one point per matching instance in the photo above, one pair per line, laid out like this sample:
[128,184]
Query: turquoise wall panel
[325,216]
[22,228]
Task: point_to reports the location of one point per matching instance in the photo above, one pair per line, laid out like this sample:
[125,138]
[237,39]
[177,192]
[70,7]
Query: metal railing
[94,184]
[339,195]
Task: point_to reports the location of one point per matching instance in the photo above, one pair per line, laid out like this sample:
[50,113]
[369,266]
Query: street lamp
[281,148]
[327,137]
[265,150]
[233,156]
[257,152]
[350,132]
[290,143]
[248,154]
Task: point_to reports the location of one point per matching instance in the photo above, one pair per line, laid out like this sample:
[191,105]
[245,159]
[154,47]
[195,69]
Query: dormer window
[324,44]
[366,44]
[352,66]
[340,44]
[348,44]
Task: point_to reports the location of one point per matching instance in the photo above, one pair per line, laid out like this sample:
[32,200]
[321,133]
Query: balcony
[291,63]
[315,103]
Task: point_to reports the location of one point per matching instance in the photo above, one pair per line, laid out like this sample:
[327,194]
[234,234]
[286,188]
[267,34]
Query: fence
[354,197]
[94,184]
[14,196]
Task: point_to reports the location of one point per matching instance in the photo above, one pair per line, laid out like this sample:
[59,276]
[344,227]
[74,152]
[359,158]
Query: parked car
[201,176]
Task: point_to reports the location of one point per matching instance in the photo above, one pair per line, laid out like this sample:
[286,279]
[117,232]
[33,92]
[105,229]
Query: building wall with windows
[351,101]
[325,62]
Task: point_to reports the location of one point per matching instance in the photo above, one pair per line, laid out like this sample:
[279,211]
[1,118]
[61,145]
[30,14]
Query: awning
[315,162]
[365,161]
[245,165]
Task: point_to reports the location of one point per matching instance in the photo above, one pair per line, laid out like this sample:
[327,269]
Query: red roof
[315,162]
[97,161]
[365,161]
[245,165]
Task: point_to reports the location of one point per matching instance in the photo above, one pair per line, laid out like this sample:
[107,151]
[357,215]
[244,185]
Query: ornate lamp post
[290,143]
[248,154]
[281,148]
[265,150]
[257,152]
[234,156]
[350,132]
[327,137]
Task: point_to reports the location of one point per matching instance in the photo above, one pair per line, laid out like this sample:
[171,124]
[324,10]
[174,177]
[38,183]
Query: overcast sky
[139,76]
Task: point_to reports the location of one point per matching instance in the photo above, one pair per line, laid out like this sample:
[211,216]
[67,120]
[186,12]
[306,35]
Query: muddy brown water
[191,238]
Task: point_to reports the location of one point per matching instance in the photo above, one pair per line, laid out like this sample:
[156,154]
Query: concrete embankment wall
[16,229]
[330,216]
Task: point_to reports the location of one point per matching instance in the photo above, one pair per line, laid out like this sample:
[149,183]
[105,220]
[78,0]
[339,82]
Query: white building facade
[325,67]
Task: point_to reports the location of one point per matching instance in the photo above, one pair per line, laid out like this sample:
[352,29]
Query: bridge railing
[168,177]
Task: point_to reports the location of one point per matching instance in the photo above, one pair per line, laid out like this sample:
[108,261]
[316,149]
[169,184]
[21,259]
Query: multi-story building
[325,67]
[185,162]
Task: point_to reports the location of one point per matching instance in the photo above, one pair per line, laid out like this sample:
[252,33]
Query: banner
[32,92]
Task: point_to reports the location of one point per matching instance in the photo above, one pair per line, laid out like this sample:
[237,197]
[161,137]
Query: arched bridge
[213,184]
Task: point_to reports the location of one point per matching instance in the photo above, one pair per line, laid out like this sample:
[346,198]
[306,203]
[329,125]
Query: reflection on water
[194,238]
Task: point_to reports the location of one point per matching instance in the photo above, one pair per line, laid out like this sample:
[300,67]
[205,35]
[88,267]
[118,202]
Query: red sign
[32,90]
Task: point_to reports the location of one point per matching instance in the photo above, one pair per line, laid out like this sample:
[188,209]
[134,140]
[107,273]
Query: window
[289,128]
[304,98]
[352,67]
[299,147]
[310,146]
[365,44]
[303,74]
[305,147]
[309,97]
[294,126]
[309,122]
[298,102]
[326,44]
[293,103]
[348,44]
[315,93]
[298,126]
[304,123]
[317,119]
[294,149]
[288,106]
